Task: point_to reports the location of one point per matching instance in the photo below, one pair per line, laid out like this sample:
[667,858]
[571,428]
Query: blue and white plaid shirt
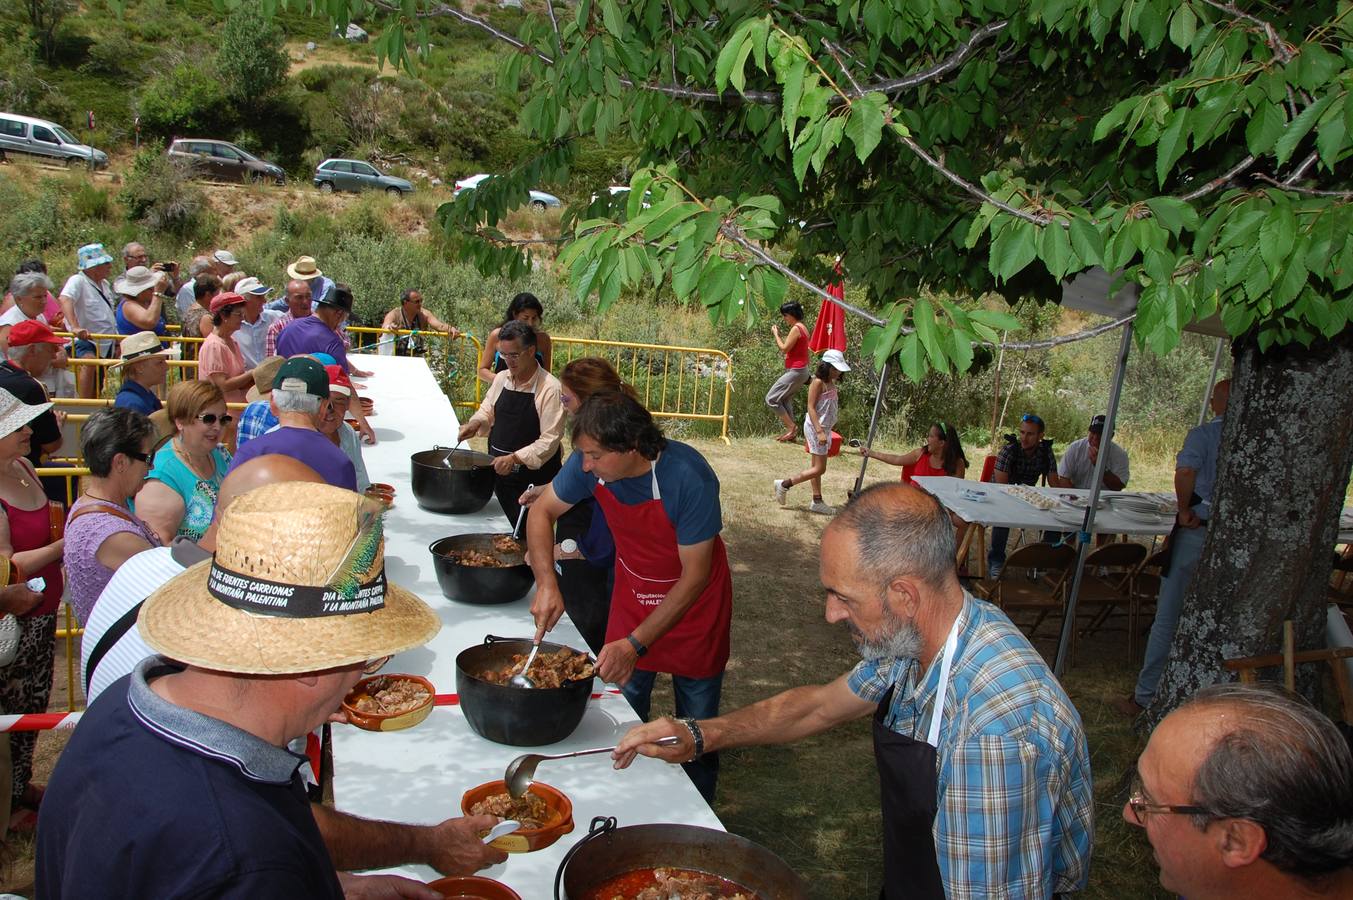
[1016,805]
[256,419]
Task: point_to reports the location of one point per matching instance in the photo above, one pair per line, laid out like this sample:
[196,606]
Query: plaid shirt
[1016,805]
[1024,468]
[256,419]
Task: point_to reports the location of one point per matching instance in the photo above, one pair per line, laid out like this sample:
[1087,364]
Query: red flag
[829,333]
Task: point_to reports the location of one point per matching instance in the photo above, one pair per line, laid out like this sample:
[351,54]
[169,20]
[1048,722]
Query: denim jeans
[1188,549]
[996,550]
[696,698]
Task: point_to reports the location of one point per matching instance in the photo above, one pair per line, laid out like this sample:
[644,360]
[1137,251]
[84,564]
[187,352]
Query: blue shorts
[85,349]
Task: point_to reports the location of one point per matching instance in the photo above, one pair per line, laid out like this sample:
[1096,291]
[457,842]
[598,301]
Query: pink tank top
[30,529]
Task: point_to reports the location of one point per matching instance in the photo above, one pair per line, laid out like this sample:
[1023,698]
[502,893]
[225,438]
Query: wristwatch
[568,545]
[639,648]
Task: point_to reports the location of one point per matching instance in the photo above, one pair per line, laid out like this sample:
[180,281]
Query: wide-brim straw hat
[143,345]
[304,269]
[15,414]
[292,562]
[135,280]
[265,373]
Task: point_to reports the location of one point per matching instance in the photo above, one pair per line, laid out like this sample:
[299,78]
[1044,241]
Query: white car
[539,199]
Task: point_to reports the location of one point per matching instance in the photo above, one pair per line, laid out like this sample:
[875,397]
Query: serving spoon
[522,514]
[507,826]
[522,770]
[520,680]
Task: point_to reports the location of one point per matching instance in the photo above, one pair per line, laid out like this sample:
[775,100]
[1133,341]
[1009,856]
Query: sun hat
[222,300]
[91,255]
[142,345]
[32,331]
[264,375]
[297,584]
[15,414]
[252,285]
[304,268]
[339,382]
[135,280]
[836,359]
[225,258]
[303,374]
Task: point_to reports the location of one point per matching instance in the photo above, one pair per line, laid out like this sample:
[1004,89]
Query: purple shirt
[310,335]
[86,534]
[309,447]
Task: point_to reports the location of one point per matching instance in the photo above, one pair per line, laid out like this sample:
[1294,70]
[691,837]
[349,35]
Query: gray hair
[127,248]
[199,265]
[110,431]
[1284,766]
[18,353]
[25,283]
[296,402]
[900,538]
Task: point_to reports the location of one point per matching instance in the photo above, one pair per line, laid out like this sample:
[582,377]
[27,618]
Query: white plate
[1147,517]
[1081,501]
[1068,516]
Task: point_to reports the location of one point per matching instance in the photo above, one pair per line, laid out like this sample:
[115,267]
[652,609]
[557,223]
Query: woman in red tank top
[794,345]
[942,454]
[26,537]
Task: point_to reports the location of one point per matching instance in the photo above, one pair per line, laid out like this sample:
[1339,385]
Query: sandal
[787,437]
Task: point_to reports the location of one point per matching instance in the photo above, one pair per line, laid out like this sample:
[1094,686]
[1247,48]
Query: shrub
[159,194]
[90,202]
[187,98]
[252,61]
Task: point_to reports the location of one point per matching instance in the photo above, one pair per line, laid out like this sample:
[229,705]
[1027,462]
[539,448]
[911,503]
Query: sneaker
[994,571]
[781,492]
[817,506]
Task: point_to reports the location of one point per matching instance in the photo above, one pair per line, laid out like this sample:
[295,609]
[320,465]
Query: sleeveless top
[31,529]
[796,357]
[125,326]
[924,468]
[827,409]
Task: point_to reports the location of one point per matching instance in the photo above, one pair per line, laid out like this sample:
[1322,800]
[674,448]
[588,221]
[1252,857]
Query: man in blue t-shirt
[673,597]
[300,390]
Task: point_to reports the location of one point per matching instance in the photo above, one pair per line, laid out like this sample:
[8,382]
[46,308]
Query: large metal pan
[521,717]
[447,480]
[482,585]
[608,852]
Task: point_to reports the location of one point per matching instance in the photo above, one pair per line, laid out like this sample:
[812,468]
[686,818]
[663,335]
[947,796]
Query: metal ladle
[520,680]
[522,770]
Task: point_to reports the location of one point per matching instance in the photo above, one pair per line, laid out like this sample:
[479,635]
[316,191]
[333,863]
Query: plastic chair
[988,468]
[1044,593]
[907,472]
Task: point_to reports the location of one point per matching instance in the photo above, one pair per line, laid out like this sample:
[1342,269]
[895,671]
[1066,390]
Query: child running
[817,429]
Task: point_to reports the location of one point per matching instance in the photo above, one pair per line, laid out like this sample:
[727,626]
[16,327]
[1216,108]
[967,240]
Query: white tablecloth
[419,775]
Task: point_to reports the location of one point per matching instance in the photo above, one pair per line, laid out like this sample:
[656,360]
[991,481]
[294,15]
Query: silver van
[38,137]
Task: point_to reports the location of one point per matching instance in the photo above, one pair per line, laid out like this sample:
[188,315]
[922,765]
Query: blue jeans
[996,550]
[1188,549]
[696,698]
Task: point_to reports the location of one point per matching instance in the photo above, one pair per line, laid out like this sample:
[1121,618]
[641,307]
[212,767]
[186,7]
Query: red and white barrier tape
[39,721]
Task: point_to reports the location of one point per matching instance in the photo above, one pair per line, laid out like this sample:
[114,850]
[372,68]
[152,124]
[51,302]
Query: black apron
[516,424]
[909,777]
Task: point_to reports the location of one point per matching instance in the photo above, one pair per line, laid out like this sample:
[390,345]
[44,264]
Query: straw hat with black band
[297,584]
[143,345]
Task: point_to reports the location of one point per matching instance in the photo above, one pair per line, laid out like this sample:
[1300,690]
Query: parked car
[355,175]
[38,137]
[539,199]
[223,161]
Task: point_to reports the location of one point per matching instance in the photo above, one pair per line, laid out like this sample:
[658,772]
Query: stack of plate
[1142,507]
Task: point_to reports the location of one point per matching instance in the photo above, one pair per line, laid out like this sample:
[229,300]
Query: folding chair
[1043,593]
[1247,668]
[1116,589]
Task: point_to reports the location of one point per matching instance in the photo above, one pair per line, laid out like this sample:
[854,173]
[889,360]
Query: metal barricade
[693,383]
[452,360]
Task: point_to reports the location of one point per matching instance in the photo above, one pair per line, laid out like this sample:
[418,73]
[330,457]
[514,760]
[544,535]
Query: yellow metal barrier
[451,362]
[694,383]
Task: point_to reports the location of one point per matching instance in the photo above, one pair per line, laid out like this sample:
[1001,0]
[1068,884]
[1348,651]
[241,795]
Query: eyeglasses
[512,357]
[375,665]
[212,419]
[1140,807]
[138,457]
[1032,419]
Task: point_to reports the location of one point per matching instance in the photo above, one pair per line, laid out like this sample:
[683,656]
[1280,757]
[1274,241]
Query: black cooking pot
[458,482]
[521,717]
[608,852]
[482,585]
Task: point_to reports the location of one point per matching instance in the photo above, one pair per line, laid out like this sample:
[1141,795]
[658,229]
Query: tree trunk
[1287,448]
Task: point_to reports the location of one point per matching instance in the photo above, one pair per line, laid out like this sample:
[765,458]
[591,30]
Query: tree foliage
[252,60]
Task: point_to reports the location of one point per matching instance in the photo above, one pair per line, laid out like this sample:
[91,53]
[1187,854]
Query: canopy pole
[1211,382]
[1088,526]
[873,426]
[996,391]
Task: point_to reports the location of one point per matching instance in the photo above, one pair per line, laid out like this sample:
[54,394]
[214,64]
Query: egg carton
[1032,497]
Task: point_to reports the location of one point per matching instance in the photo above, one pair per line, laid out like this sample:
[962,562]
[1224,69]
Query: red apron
[646,568]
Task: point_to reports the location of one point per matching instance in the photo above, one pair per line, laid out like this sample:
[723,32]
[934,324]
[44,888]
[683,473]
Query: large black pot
[458,482]
[608,852]
[521,717]
[482,585]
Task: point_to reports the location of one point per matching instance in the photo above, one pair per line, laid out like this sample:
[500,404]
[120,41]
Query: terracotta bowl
[383,492]
[389,721]
[473,887]
[559,823]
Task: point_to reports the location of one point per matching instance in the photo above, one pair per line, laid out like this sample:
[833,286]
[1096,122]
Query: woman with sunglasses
[102,532]
[941,454]
[179,496]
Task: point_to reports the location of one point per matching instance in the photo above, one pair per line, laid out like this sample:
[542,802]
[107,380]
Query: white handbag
[10,632]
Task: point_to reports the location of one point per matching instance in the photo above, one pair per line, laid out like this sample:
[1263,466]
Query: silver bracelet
[696,735]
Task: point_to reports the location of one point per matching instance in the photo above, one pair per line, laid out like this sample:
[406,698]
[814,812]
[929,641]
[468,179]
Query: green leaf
[961,345]
[1276,236]
[912,358]
[1299,127]
[1087,242]
[793,83]
[1264,128]
[923,319]
[884,348]
[1331,140]
[1055,249]
[729,56]
[685,280]
[717,281]
[865,127]
[1014,248]
[1173,213]
[1173,141]
[1114,117]
[994,318]
[1183,26]
[738,76]
[775,286]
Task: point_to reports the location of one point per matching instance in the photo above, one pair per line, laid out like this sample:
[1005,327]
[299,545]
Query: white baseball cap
[252,285]
[225,258]
[836,359]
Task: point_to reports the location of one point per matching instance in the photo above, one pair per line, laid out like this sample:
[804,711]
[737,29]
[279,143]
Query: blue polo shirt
[134,396]
[150,799]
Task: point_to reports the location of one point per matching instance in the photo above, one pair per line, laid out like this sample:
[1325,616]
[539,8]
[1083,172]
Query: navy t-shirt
[136,809]
[309,447]
[689,489]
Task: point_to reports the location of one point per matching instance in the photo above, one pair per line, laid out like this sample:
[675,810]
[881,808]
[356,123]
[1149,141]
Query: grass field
[816,803]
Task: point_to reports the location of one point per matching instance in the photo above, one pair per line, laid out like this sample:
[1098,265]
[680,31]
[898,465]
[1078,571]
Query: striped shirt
[1016,810]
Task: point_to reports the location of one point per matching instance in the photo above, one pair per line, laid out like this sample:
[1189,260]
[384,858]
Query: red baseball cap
[338,380]
[32,331]
[221,301]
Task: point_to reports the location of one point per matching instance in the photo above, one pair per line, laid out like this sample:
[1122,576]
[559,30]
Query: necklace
[93,496]
[22,479]
[193,462]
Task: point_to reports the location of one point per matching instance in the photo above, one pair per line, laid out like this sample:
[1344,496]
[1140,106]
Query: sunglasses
[138,457]
[1031,418]
[1141,807]
[212,419]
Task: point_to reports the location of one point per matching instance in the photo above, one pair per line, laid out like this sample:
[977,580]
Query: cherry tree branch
[1310,192]
[1220,180]
[1280,48]
[1300,171]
